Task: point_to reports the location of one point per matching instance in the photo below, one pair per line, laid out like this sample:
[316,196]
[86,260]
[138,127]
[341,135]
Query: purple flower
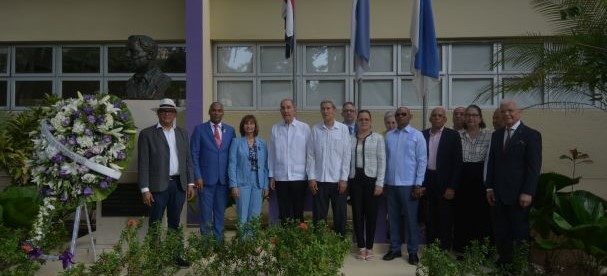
[35,253]
[117,104]
[88,132]
[121,155]
[124,116]
[88,153]
[109,179]
[91,119]
[87,191]
[103,185]
[63,141]
[75,115]
[49,192]
[71,139]
[66,122]
[57,158]
[88,97]
[107,139]
[100,120]
[64,197]
[63,174]
[87,110]
[66,259]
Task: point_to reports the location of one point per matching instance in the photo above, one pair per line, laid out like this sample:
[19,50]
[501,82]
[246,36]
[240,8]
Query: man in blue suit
[442,178]
[513,171]
[210,146]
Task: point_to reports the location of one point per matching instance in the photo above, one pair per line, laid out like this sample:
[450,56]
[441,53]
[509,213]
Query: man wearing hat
[165,168]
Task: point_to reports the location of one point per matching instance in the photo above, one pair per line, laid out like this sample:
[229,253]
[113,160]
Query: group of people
[467,179]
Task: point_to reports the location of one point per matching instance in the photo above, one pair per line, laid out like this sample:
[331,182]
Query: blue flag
[360,41]
[424,50]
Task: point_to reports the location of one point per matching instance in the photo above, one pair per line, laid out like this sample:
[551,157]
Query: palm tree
[572,63]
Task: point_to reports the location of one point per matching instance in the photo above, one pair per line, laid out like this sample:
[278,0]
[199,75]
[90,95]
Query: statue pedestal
[109,228]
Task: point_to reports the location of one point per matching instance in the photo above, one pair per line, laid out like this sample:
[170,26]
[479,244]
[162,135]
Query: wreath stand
[75,228]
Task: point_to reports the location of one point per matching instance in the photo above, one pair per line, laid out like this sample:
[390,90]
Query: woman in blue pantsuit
[248,170]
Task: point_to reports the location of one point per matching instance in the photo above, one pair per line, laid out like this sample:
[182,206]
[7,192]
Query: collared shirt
[351,127]
[475,149]
[173,158]
[512,130]
[406,157]
[433,141]
[219,128]
[328,153]
[287,151]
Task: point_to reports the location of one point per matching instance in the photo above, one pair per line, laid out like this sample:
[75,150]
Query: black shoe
[413,259]
[391,255]
[180,262]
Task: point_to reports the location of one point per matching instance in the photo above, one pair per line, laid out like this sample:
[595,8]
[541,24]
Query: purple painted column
[194,71]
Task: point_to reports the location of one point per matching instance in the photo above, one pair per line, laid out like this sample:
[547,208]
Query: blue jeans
[400,203]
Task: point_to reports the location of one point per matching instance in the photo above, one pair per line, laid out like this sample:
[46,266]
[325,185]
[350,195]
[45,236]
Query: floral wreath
[78,154]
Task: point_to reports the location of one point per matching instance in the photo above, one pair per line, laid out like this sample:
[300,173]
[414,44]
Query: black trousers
[291,196]
[510,226]
[329,191]
[439,222]
[364,208]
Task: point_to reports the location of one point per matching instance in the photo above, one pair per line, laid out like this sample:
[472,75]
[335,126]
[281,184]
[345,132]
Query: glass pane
[272,92]
[273,60]
[117,61]
[117,88]
[524,99]
[69,88]
[409,95]
[377,93]
[577,95]
[472,57]
[80,59]
[235,59]
[3,94]
[3,60]
[176,90]
[465,91]
[326,59]
[405,58]
[523,54]
[34,60]
[381,58]
[235,93]
[171,59]
[31,93]
[319,90]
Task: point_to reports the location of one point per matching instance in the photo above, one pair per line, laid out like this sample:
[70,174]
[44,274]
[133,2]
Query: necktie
[217,137]
[351,129]
[509,130]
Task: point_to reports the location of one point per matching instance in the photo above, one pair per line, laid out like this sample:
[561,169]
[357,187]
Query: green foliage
[19,206]
[13,260]
[572,62]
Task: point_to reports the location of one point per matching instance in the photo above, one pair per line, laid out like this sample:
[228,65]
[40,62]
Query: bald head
[402,116]
[438,118]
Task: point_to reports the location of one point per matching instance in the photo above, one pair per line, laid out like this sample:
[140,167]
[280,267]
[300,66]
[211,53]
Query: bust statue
[148,82]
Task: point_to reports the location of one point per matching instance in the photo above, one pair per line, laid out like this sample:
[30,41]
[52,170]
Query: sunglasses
[400,114]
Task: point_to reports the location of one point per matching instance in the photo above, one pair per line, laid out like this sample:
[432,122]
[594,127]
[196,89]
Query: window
[29,72]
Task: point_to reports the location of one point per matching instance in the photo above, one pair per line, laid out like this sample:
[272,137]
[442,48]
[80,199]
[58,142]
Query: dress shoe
[180,262]
[391,255]
[413,259]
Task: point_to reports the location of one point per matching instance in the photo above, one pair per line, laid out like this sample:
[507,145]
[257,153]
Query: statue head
[141,52]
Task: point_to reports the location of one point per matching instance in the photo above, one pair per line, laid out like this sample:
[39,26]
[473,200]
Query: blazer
[153,159]
[239,168]
[516,169]
[209,163]
[448,159]
[374,157]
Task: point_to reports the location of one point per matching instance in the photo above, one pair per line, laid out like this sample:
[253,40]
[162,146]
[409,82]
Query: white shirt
[328,154]
[287,151]
[173,158]
[219,129]
[433,141]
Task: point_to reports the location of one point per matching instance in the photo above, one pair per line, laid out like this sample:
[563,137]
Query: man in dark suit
[165,168]
[513,171]
[210,153]
[442,178]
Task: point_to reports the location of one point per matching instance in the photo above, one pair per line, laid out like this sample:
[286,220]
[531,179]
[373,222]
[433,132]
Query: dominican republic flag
[424,50]
[287,14]
[360,41]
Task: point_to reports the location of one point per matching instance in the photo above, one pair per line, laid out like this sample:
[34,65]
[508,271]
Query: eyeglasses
[349,110]
[164,111]
[400,114]
[472,115]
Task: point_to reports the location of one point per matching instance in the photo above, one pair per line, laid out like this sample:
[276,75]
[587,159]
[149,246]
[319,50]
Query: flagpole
[424,111]
[358,89]
[294,60]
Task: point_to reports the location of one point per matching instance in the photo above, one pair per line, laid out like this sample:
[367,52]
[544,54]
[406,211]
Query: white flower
[88,178]
[85,141]
[78,127]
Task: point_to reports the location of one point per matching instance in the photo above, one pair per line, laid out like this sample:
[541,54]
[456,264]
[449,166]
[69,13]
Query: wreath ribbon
[48,136]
